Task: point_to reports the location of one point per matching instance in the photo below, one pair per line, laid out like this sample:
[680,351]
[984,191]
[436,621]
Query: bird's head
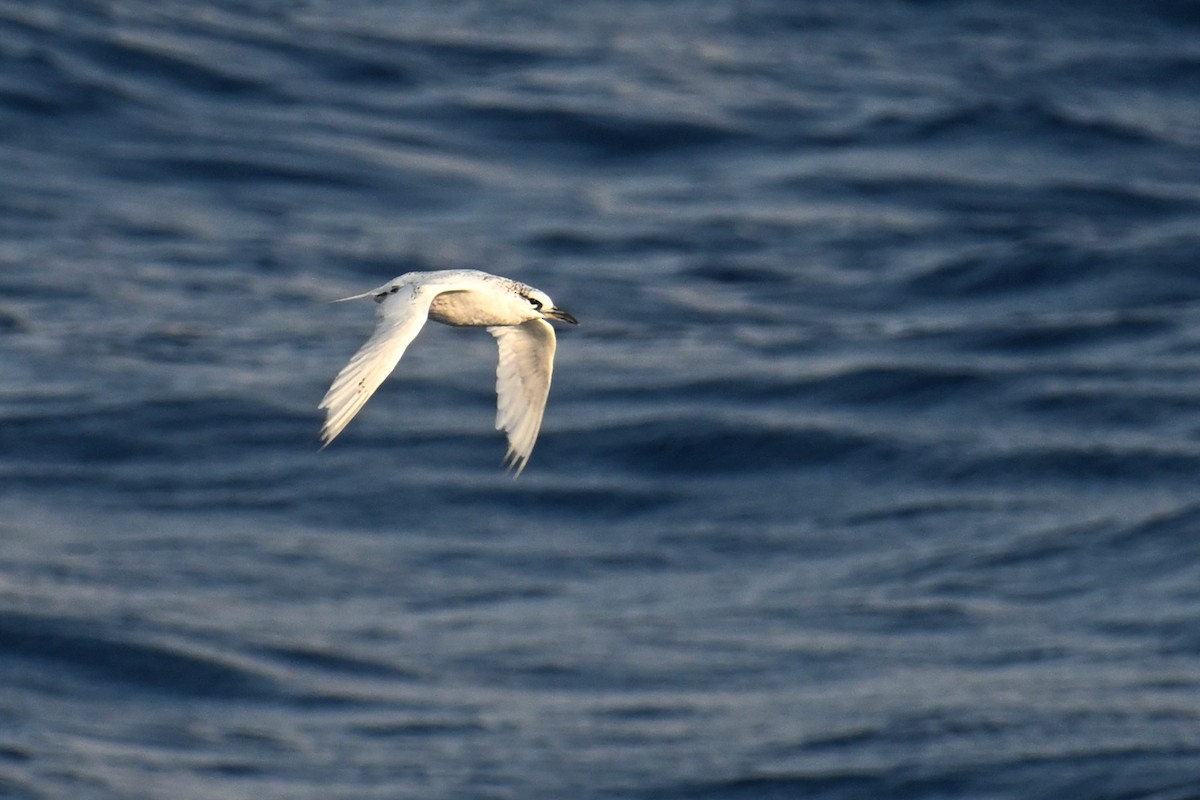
[544,307]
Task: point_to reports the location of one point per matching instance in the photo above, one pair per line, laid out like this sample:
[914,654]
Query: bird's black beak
[558,313]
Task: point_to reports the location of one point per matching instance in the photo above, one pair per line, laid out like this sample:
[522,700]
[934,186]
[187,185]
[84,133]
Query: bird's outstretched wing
[522,385]
[402,314]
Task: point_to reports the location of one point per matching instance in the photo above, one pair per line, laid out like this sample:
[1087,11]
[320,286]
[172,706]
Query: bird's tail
[378,292]
[356,296]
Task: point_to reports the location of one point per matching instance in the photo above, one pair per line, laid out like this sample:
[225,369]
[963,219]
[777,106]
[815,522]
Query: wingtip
[515,463]
[325,439]
[330,431]
[332,426]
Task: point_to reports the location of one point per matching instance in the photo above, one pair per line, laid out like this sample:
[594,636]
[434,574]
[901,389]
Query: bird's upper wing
[522,385]
[402,314]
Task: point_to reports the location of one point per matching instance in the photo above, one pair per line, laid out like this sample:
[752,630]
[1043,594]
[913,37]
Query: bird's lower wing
[522,385]
[401,317]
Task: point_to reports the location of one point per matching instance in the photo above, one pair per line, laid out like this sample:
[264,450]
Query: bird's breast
[471,308]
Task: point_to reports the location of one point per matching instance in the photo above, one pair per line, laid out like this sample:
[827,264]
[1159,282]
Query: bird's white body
[512,312]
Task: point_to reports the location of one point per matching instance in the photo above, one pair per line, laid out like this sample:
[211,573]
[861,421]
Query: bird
[513,312]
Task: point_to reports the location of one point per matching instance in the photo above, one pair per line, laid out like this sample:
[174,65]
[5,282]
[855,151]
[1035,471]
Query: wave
[149,431]
[836,786]
[1092,279]
[896,385]
[696,445]
[146,665]
[598,134]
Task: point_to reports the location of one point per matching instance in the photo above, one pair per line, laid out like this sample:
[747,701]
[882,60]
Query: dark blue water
[873,470]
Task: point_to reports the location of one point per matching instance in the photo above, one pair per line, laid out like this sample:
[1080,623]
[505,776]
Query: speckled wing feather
[402,314]
[522,385]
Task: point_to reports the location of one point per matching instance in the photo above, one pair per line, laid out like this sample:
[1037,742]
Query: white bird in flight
[514,313]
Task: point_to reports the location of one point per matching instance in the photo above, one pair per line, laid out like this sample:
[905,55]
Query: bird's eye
[537,304]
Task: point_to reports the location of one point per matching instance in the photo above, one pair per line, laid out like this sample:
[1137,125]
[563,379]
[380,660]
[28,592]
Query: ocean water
[872,471]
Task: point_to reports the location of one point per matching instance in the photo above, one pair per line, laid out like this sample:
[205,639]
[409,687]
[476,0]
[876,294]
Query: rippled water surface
[871,471]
